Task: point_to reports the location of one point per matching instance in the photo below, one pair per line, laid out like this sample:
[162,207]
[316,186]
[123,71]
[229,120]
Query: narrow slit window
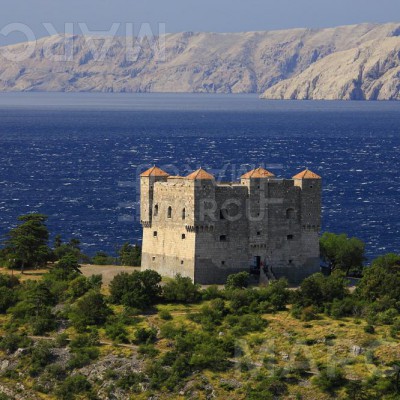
[169,214]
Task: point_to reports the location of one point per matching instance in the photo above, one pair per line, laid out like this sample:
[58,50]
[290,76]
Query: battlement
[207,230]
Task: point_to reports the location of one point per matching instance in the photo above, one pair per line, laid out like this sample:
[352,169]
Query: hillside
[368,72]
[250,62]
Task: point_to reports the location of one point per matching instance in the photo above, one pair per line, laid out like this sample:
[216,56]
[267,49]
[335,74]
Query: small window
[222,262]
[155,234]
[169,212]
[156,210]
[258,233]
[222,238]
[183,236]
[290,213]
[154,259]
[181,262]
[184,213]
[289,237]
[290,261]
[223,214]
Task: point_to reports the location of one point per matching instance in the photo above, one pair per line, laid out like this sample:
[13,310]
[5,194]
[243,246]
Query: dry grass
[107,271]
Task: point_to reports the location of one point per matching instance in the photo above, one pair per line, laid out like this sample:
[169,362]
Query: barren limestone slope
[194,62]
[368,72]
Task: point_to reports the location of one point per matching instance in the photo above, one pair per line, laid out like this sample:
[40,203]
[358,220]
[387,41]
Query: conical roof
[258,173]
[200,174]
[307,174]
[154,171]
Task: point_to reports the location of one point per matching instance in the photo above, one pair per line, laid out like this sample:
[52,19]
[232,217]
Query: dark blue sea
[77,157]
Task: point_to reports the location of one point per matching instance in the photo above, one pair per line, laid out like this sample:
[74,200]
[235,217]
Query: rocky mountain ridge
[287,64]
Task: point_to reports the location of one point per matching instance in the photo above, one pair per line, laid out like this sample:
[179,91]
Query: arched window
[169,212]
[184,213]
[290,213]
[156,210]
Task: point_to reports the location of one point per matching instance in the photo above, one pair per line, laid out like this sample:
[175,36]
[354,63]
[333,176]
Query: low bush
[181,290]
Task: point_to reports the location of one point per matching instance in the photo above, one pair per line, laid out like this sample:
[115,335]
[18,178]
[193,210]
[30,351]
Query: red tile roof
[154,171]
[200,174]
[307,174]
[258,173]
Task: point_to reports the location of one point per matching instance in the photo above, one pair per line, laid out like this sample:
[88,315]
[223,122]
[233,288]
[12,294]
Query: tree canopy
[27,244]
[342,252]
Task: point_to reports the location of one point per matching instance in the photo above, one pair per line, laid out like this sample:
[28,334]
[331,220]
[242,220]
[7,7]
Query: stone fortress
[206,230]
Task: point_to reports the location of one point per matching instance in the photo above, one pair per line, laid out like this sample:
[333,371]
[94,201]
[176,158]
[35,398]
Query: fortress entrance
[255,265]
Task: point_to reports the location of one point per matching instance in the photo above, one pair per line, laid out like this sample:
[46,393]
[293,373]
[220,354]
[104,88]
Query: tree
[130,255]
[91,309]
[72,247]
[102,258]
[67,268]
[57,241]
[318,289]
[27,243]
[381,279]
[342,252]
[237,281]
[181,290]
[139,289]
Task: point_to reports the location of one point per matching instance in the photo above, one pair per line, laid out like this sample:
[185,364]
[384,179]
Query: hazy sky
[190,15]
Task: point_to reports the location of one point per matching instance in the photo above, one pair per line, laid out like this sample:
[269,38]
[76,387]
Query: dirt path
[102,342]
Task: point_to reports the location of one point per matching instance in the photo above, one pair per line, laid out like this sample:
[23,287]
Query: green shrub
[130,382]
[62,340]
[265,389]
[73,386]
[165,315]
[130,255]
[8,298]
[41,356]
[102,258]
[146,336]
[138,290]
[56,371]
[387,317]
[90,310]
[13,341]
[117,332]
[181,290]
[170,330]
[369,329]
[83,357]
[237,281]
[212,292]
[148,350]
[309,314]
[330,380]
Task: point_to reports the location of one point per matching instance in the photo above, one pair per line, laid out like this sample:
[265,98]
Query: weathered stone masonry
[197,227]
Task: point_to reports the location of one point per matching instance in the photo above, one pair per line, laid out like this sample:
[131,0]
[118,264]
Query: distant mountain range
[358,62]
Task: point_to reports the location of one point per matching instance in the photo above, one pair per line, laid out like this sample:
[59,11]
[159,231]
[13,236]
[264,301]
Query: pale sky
[190,15]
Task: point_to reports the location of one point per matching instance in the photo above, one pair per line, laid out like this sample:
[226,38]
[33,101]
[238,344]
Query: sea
[77,157]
